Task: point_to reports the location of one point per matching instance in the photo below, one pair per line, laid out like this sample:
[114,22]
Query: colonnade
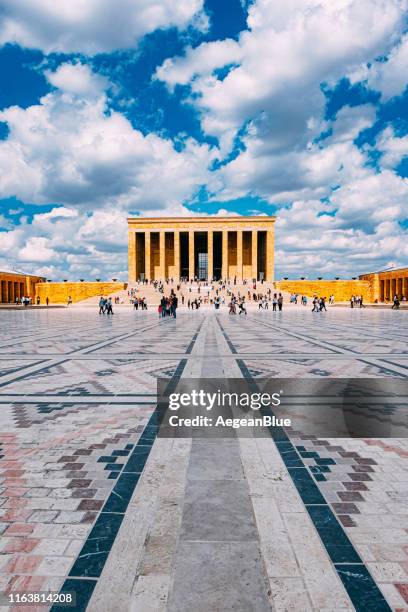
[10,290]
[150,250]
[394,286]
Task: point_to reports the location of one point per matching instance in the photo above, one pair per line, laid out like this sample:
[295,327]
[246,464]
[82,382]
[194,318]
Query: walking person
[101,305]
[242,308]
[232,309]
[109,309]
[163,306]
[174,304]
[396,303]
[322,304]
[274,302]
[280,302]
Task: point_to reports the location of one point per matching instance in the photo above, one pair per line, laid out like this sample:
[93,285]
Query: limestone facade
[58,293]
[342,290]
[201,247]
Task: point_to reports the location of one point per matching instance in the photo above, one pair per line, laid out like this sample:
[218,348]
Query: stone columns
[224,254]
[148,273]
[162,255]
[132,256]
[210,251]
[29,288]
[11,295]
[176,254]
[239,255]
[191,254]
[254,255]
[375,288]
[269,255]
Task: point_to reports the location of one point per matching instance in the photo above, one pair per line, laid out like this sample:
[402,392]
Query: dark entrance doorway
[261,255]
[201,255]
[202,266]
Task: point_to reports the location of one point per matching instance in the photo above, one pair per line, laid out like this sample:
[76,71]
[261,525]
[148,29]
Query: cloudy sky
[297,108]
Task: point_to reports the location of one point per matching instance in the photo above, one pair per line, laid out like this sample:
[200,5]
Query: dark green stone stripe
[358,582]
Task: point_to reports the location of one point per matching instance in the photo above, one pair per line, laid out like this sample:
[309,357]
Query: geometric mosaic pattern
[90,500]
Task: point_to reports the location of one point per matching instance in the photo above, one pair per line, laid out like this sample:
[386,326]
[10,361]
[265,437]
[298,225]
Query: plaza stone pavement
[92,502]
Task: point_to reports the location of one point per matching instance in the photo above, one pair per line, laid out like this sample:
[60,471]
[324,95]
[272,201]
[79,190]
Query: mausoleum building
[201,247]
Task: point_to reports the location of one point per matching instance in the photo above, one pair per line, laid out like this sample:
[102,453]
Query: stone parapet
[341,289]
[58,293]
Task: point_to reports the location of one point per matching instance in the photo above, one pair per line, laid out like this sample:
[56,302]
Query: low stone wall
[341,289]
[58,293]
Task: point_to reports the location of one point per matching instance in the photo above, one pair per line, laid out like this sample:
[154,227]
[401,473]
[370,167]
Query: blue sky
[297,109]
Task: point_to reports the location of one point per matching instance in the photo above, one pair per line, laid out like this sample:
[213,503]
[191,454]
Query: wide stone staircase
[190,291]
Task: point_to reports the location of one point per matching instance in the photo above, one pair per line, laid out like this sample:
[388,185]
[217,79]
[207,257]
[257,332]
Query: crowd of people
[319,304]
[28,301]
[196,303]
[277,302]
[139,302]
[23,300]
[218,293]
[168,306]
[356,301]
[296,298]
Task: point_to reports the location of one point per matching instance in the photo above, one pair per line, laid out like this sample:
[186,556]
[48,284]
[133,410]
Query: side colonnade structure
[388,283]
[203,248]
[15,285]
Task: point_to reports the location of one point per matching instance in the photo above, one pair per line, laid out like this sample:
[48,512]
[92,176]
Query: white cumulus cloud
[71,150]
[90,26]
[387,75]
[338,212]
[77,79]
